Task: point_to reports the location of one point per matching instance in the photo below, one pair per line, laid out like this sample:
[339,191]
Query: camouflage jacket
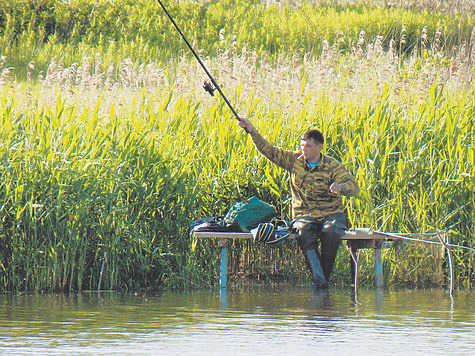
[311,195]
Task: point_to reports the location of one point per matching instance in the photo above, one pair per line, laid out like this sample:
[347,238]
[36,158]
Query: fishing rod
[400,237]
[209,87]
[447,245]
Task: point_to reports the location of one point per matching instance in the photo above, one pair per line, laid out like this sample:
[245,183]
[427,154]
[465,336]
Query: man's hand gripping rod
[207,86]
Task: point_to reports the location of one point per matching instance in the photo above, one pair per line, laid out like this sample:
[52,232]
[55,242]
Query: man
[317,182]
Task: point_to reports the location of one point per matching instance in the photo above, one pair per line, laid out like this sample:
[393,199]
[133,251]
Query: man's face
[311,150]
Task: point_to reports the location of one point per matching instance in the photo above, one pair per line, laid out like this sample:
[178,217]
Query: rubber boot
[316,268]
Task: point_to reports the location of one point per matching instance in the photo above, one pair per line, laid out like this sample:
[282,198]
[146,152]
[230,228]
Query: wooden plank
[349,235]
[222,235]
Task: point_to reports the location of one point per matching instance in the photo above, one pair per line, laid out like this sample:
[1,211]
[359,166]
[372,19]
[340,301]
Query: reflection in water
[223,296]
[250,319]
[379,293]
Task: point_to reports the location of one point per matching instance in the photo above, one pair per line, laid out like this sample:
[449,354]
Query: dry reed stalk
[444,6]
[290,82]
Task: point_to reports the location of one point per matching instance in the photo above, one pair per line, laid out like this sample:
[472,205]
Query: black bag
[210,225]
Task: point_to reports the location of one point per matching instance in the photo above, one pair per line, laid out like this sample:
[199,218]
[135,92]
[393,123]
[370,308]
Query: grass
[139,30]
[106,165]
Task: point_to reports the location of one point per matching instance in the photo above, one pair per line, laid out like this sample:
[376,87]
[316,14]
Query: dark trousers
[310,231]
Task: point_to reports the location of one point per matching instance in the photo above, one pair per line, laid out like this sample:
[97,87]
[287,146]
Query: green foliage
[32,31]
[78,187]
[100,177]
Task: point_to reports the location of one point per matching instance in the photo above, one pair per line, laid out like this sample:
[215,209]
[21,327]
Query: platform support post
[354,261]
[378,268]
[223,266]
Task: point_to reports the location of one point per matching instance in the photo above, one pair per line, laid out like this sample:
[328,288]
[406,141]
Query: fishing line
[306,17]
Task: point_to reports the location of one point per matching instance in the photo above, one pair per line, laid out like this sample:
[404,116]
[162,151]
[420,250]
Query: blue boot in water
[313,262]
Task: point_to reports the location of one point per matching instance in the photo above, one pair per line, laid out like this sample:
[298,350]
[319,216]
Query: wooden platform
[356,239]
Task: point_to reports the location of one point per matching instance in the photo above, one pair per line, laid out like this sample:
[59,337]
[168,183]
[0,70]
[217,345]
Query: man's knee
[335,225]
[307,232]
[306,240]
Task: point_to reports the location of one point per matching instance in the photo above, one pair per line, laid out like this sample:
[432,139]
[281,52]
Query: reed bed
[139,30]
[98,168]
[103,167]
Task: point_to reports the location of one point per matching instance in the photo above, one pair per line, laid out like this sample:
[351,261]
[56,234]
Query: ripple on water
[264,320]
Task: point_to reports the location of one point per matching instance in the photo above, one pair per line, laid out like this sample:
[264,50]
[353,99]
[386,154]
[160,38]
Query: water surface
[245,320]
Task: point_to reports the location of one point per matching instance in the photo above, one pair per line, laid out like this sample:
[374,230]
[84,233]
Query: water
[245,320]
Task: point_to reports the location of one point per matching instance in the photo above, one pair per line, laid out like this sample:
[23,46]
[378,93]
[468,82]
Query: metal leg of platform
[223,266]
[378,269]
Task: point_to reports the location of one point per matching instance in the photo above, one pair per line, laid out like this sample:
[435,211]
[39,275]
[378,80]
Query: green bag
[249,213]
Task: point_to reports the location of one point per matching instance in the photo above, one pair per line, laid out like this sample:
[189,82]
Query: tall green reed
[105,170]
[77,185]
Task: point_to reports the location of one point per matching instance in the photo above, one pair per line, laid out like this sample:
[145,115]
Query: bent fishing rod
[209,87]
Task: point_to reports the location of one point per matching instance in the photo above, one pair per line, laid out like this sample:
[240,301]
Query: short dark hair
[315,135]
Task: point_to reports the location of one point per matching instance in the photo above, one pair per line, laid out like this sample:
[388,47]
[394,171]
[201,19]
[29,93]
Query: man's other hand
[335,188]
